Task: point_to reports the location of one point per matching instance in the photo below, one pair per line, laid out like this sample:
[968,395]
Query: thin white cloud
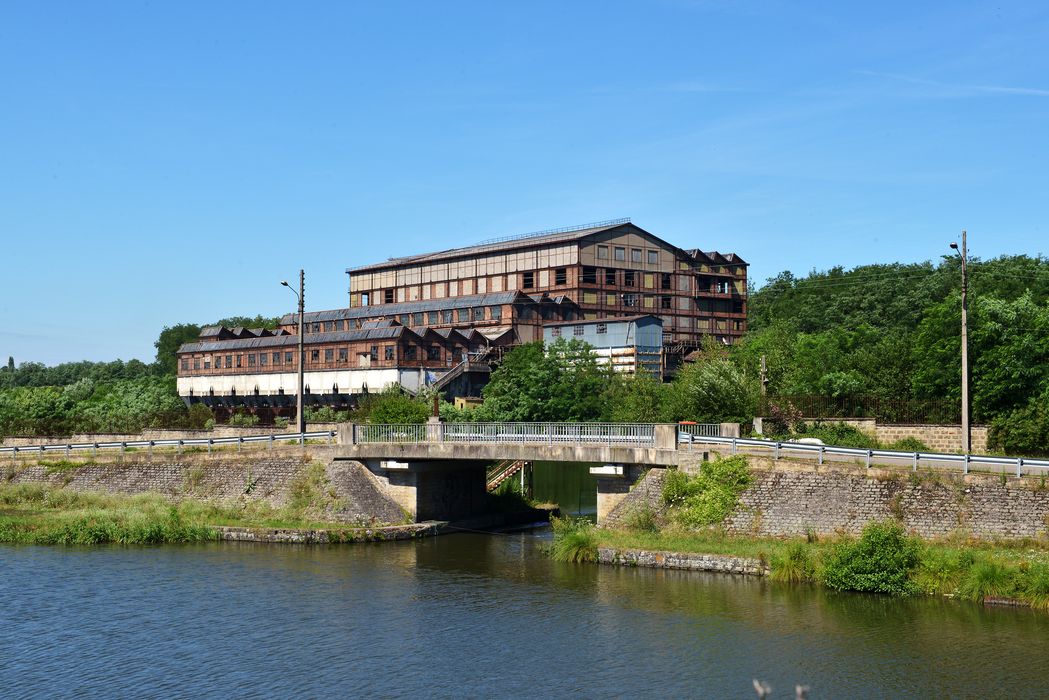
[700,87]
[985,89]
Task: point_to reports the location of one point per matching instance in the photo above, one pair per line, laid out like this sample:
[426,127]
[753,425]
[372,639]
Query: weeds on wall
[708,497]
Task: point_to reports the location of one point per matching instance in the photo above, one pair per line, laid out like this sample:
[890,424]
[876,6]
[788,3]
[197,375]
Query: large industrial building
[441,319]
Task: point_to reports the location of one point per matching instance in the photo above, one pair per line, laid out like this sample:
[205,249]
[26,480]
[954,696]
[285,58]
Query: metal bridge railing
[700,429]
[390,432]
[179,444]
[550,433]
[965,461]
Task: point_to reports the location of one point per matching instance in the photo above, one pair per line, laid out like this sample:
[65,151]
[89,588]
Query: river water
[479,616]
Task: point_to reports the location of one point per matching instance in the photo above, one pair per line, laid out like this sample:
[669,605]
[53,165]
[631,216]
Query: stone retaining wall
[939,438]
[352,492]
[685,561]
[292,536]
[793,499]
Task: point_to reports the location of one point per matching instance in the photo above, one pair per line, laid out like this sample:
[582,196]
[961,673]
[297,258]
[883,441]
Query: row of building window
[429,318]
[619,254]
[580,330]
[410,352]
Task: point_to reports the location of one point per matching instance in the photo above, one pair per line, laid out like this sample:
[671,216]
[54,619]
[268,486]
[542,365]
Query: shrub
[708,497]
[642,518]
[840,434]
[243,419]
[794,565]
[574,540]
[909,444]
[984,579]
[879,562]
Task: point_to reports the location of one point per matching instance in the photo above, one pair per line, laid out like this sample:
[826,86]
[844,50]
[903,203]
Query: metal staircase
[502,471]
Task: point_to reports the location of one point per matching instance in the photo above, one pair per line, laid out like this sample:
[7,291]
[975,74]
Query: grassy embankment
[41,514]
[883,560]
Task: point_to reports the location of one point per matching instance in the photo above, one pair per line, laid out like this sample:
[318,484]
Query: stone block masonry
[683,560]
[353,493]
[794,499]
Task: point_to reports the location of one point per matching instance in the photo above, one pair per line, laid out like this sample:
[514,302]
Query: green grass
[574,540]
[40,514]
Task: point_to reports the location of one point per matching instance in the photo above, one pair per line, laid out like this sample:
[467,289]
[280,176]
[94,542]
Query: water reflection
[474,616]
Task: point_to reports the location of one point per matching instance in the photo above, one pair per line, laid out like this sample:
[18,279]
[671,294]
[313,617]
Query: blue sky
[168,162]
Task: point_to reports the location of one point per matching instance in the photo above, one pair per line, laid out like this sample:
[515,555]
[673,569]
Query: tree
[167,345]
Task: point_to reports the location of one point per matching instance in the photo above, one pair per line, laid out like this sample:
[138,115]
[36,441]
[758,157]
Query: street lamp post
[301,294]
[966,428]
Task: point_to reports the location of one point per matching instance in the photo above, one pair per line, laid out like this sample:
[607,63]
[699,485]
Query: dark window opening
[373,352]
[315,355]
[664,282]
[560,276]
[387,296]
[528,280]
[602,328]
[448,315]
[577,330]
[388,354]
[433,353]
[629,278]
[610,278]
[409,352]
[479,313]
[344,355]
[589,275]
[288,358]
[263,359]
[665,302]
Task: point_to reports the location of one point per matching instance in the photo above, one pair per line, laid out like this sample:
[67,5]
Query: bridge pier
[613,484]
[433,490]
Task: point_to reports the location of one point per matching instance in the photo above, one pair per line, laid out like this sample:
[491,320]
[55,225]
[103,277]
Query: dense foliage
[893,331]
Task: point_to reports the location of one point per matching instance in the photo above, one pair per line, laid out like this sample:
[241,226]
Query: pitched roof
[528,240]
[281,341]
[378,310]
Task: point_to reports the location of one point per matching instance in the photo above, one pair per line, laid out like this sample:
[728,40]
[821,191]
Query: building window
[432,318]
[577,330]
[207,363]
[723,287]
[417,319]
[635,255]
[315,328]
[196,363]
[344,355]
[365,299]
[263,359]
[288,359]
[387,296]
[527,280]
[602,252]
[185,363]
[229,361]
[602,328]
[315,355]
[329,326]
[653,257]
[409,352]
[560,276]
[433,353]
[447,315]
[630,300]
[276,358]
[589,275]
[628,278]
[664,281]
[373,352]
[240,359]
[496,312]
[664,302]
[620,253]
[463,315]
[610,278]
[329,354]
[479,313]
[388,352]
[555,332]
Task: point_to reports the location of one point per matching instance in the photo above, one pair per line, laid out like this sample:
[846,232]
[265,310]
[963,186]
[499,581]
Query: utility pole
[300,403]
[966,413]
[301,294]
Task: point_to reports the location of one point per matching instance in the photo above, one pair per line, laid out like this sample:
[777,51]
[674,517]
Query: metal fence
[390,432]
[550,433]
[123,445]
[700,429]
[794,449]
[921,411]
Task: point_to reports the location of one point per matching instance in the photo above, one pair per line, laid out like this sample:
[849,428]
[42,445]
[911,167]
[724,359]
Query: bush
[574,540]
[840,434]
[984,579]
[795,565]
[243,419]
[909,444]
[642,518]
[879,562]
[708,497]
